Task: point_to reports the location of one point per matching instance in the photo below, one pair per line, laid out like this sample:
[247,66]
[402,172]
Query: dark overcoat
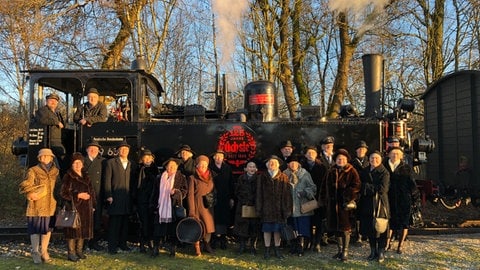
[341,186]
[93,114]
[72,185]
[223,180]
[376,181]
[245,193]
[145,178]
[402,194]
[49,118]
[274,198]
[95,169]
[318,171]
[197,188]
[360,163]
[118,186]
[181,190]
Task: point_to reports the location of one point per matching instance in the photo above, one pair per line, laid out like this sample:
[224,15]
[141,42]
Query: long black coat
[245,193]
[318,171]
[145,178]
[73,184]
[47,117]
[376,181]
[95,169]
[118,183]
[274,198]
[402,194]
[95,114]
[223,180]
[341,186]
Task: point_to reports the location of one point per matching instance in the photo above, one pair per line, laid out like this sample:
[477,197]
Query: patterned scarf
[164,201]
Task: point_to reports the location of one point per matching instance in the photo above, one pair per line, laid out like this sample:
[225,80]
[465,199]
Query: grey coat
[303,190]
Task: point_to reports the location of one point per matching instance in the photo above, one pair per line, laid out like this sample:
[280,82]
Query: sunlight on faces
[273,165]
[311,155]
[294,166]
[395,155]
[123,152]
[202,166]
[185,155]
[171,168]
[375,160]
[286,151]
[92,99]
[77,165]
[341,161]
[218,158]
[361,152]
[328,148]
[52,104]
[92,151]
[251,168]
[45,159]
[147,159]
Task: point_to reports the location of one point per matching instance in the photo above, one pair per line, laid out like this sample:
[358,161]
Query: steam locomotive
[253,132]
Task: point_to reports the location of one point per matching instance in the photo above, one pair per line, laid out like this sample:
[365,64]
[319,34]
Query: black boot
[346,243]
[173,248]
[80,254]
[72,256]
[223,241]
[338,256]
[156,246]
[266,255]
[373,249]
[277,252]
[253,246]
[242,246]
[300,245]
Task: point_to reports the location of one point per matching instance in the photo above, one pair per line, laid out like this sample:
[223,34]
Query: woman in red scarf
[199,185]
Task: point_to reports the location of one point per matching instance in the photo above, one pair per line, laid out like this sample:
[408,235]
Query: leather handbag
[248,211]
[180,211]
[288,233]
[68,218]
[380,223]
[309,206]
[210,199]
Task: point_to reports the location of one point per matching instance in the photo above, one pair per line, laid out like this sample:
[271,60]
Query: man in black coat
[92,111]
[326,156]
[94,164]
[118,178]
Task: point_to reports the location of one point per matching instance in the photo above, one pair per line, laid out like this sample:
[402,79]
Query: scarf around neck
[164,201]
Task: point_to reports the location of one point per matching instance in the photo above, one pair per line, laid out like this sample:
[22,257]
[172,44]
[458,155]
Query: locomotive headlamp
[407,105]
[426,145]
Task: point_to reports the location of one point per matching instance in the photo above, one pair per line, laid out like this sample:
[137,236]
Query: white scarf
[392,165]
[164,201]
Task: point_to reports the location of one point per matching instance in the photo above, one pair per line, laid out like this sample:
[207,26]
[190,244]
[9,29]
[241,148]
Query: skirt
[40,225]
[301,225]
[271,227]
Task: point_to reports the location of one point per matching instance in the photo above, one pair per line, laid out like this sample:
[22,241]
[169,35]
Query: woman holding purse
[78,192]
[374,192]
[38,187]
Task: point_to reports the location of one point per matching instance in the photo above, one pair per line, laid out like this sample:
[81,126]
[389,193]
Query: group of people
[350,193]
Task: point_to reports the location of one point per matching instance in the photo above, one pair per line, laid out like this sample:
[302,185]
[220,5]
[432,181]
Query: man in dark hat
[286,148]
[94,164]
[119,172]
[223,181]
[50,116]
[327,151]
[360,161]
[92,111]
[187,166]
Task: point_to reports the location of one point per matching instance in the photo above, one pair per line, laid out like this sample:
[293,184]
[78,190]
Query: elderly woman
[273,203]
[168,192]
[403,193]
[200,184]
[78,191]
[38,187]
[338,193]
[303,190]
[375,183]
[146,175]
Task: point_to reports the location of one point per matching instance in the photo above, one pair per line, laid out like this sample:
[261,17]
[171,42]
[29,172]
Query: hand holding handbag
[210,199]
[180,211]
[380,224]
[309,206]
[68,218]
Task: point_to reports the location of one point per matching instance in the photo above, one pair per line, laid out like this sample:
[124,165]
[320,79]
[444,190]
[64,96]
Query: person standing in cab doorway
[92,111]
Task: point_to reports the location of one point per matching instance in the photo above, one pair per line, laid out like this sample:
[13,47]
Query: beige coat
[38,175]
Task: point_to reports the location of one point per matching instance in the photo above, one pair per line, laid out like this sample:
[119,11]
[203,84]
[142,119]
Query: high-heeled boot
[338,255]
[35,241]
[277,252]
[72,256]
[266,254]
[44,247]
[373,249]
[79,250]
[346,243]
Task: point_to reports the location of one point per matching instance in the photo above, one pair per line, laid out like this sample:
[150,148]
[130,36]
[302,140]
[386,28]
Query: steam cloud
[229,14]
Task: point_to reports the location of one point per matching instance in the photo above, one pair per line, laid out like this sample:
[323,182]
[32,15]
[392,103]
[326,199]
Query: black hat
[287,143]
[376,152]
[123,143]
[274,157]
[53,96]
[328,139]
[93,90]
[342,152]
[185,147]
[94,143]
[392,139]
[146,152]
[219,151]
[311,147]
[361,144]
[176,160]
[292,158]
[77,156]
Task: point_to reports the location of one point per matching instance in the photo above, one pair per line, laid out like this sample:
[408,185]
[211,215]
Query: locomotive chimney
[372,75]
[260,101]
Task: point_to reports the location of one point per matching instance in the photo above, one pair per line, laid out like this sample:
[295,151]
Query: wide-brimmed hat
[342,152]
[190,230]
[77,156]
[53,96]
[327,140]
[146,152]
[287,143]
[45,152]
[361,144]
[280,161]
[93,90]
[123,143]
[176,160]
[185,147]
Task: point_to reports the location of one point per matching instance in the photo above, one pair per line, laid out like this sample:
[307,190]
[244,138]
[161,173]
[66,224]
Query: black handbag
[210,199]
[416,219]
[180,211]
[68,218]
[287,232]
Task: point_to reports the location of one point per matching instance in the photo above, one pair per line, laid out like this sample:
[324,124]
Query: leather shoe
[381,257]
